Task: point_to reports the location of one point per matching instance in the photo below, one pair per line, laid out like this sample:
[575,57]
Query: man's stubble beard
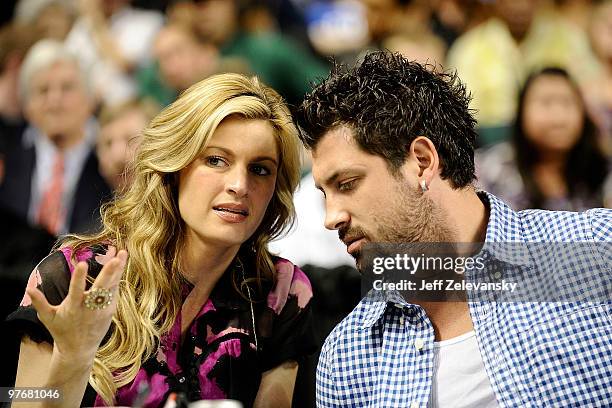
[415,218]
[411,218]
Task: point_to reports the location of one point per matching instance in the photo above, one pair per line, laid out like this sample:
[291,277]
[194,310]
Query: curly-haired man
[392,144]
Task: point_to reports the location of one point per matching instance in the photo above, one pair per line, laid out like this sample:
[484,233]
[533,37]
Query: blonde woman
[199,306]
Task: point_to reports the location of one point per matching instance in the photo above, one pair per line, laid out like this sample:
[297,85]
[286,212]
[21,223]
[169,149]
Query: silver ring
[98,298]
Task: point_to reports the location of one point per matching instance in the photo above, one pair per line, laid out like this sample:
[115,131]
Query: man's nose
[54,96]
[335,215]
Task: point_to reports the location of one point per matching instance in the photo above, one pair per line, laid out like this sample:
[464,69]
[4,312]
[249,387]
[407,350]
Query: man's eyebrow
[332,179]
[265,158]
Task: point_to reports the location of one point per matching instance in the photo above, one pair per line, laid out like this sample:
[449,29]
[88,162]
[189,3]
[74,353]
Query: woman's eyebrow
[255,159]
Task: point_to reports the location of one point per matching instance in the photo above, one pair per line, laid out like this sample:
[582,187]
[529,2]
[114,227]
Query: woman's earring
[424,187]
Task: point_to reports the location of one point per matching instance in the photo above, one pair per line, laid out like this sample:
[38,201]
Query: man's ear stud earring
[424,187]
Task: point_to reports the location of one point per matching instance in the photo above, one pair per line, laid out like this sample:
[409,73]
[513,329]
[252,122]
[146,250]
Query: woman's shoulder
[291,283]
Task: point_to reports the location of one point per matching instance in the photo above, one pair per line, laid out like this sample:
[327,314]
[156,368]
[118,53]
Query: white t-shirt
[460,380]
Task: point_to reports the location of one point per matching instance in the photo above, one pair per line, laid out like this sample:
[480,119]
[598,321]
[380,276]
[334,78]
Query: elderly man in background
[52,178]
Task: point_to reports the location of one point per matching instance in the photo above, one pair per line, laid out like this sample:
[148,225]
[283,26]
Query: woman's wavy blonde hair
[145,219]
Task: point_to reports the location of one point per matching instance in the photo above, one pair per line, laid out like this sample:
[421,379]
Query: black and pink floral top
[218,358]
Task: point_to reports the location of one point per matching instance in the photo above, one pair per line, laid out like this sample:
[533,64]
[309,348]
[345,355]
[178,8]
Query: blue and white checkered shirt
[536,354]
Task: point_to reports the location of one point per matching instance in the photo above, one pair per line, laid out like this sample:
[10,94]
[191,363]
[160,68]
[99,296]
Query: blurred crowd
[79,80]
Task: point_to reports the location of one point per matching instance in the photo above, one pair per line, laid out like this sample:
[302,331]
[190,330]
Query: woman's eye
[346,185]
[215,161]
[260,170]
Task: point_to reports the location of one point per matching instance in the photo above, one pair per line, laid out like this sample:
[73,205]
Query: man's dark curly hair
[388,102]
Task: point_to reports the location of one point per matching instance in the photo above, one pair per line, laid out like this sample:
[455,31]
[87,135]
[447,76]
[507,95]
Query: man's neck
[66,141]
[469,217]
[449,319]
[466,212]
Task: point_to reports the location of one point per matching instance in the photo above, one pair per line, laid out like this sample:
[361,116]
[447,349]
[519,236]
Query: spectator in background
[22,243]
[494,57]
[553,161]
[598,90]
[278,61]
[451,18]
[52,178]
[120,133]
[389,17]
[113,39]
[289,16]
[15,40]
[577,12]
[416,28]
[181,60]
[51,19]
[424,48]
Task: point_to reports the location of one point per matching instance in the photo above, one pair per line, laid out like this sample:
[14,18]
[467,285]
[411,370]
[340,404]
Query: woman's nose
[237,183]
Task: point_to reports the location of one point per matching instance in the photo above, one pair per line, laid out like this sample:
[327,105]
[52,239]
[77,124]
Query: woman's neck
[202,265]
[550,177]
[202,260]
[552,161]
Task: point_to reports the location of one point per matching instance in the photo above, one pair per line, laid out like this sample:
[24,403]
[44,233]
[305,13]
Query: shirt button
[414,405]
[485,311]
[401,319]
[418,344]
[497,275]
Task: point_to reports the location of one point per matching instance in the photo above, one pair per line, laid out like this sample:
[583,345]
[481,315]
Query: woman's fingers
[78,282]
[123,257]
[111,251]
[111,273]
[43,308]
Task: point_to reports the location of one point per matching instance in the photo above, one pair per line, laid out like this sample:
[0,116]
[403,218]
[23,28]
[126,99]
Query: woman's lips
[230,216]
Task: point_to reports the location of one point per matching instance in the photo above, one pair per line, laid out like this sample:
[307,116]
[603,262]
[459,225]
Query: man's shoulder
[567,226]
[601,223]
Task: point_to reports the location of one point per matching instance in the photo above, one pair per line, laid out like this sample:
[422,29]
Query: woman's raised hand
[79,323]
